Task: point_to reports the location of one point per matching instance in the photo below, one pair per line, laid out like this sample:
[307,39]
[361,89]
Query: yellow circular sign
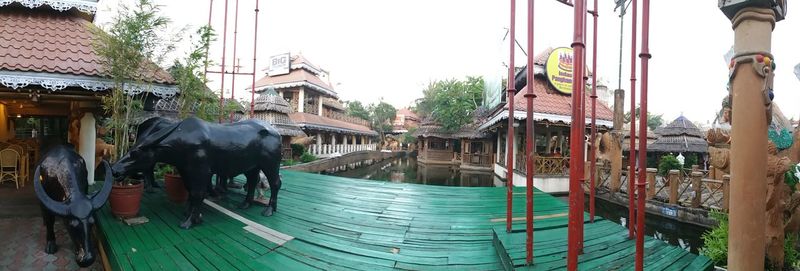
[559,69]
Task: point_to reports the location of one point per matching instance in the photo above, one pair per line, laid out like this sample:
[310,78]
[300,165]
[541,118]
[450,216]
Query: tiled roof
[54,42]
[316,122]
[407,113]
[297,77]
[548,100]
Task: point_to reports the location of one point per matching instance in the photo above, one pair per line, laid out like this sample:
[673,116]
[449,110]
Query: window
[437,144]
[476,147]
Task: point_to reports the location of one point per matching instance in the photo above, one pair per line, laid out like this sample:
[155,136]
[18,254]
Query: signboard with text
[279,64]
[559,69]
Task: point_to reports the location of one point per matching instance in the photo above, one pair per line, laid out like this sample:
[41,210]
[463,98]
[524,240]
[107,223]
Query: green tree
[653,121]
[129,50]
[451,102]
[356,109]
[381,117]
[195,97]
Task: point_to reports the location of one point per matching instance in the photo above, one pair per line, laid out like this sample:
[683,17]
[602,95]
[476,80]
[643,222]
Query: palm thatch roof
[274,103]
[429,128]
[679,136]
[626,139]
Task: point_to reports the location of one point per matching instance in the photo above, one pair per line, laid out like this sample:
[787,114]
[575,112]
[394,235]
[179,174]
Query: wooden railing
[544,165]
[478,159]
[685,187]
[343,117]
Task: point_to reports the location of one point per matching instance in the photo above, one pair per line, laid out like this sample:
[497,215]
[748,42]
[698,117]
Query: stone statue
[61,186]
[198,149]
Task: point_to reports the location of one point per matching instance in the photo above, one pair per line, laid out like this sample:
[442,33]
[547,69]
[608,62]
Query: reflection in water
[406,170]
[686,236]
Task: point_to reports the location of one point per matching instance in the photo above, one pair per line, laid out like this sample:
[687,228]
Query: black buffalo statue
[60,182]
[146,128]
[199,149]
[156,124]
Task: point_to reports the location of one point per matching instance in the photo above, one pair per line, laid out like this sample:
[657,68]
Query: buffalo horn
[54,206]
[100,198]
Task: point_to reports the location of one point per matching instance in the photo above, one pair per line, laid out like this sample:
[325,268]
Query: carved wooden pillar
[697,188]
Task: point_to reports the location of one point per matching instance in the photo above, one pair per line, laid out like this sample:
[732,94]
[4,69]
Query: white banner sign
[279,64]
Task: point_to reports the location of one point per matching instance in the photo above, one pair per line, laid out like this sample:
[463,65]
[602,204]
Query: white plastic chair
[9,160]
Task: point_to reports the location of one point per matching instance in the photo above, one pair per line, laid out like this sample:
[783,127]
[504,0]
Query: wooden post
[712,173]
[651,181]
[697,178]
[674,183]
[726,192]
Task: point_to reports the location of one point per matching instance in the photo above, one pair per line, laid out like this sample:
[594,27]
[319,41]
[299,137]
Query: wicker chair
[24,162]
[9,162]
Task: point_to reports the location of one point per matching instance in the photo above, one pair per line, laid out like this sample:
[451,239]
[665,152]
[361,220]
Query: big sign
[559,69]
[279,64]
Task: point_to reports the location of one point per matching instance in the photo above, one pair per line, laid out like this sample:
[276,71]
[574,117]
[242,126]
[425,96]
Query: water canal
[406,170]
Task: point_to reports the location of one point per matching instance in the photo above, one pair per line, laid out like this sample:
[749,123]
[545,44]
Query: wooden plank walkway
[339,223]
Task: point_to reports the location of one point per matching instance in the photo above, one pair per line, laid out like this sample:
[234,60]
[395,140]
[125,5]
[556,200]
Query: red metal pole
[510,139]
[210,9]
[255,48]
[530,143]
[632,151]
[645,57]
[582,123]
[592,154]
[235,34]
[576,138]
[224,40]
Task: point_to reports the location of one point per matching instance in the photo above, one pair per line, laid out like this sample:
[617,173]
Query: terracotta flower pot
[176,191]
[125,199]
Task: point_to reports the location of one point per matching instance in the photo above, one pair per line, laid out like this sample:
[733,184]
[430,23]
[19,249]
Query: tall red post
[234,70]
[510,102]
[255,49]
[576,137]
[645,57]
[529,139]
[210,9]
[224,41]
[632,152]
[592,154]
[582,125]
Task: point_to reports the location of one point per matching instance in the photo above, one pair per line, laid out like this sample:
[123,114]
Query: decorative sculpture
[61,186]
[198,149]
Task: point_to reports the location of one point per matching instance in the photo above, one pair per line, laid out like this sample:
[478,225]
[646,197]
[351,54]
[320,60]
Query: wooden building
[51,79]
[468,148]
[316,109]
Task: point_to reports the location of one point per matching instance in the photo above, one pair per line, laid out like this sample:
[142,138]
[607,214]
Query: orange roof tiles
[45,41]
[549,101]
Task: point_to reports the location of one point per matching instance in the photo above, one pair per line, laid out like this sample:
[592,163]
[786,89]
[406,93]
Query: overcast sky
[392,49]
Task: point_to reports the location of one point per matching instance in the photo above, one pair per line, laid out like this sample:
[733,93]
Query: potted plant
[129,51]
[173,184]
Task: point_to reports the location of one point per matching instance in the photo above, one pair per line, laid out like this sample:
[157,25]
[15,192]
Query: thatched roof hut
[679,136]
[430,128]
[626,139]
[275,110]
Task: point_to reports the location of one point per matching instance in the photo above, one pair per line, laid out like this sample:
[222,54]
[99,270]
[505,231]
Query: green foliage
[381,116]
[289,162]
[667,163]
[451,102]
[196,99]
[690,160]
[792,177]
[791,257]
[127,51]
[358,110]
[307,157]
[297,149]
[715,242]
[653,121]
[408,138]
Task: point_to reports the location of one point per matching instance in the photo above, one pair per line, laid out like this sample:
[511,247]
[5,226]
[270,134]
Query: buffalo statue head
[77,211]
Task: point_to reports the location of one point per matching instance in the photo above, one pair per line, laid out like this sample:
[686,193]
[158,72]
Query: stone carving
[248,147]
[61,186]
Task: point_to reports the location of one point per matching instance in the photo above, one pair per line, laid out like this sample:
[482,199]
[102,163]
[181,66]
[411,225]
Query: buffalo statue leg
[250,187]
[274,179]
[49,219]
[149,179]
[197,193]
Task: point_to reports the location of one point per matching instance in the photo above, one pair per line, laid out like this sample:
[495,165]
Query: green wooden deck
[334,223]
